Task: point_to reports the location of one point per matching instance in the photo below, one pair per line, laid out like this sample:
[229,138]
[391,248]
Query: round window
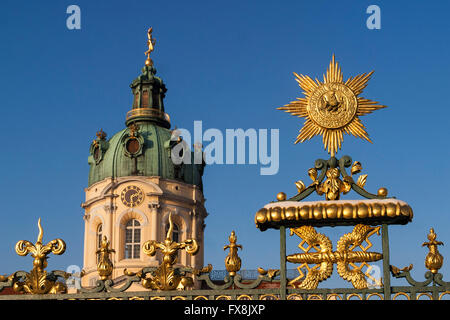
[132,146]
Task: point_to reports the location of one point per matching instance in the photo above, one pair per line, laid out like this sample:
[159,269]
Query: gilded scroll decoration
[38,281]
[166,277]
[329,182]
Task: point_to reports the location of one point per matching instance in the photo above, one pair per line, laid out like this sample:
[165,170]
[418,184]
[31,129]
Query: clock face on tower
[132,196]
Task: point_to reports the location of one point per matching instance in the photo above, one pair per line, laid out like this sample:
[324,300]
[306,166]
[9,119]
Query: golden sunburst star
[332,107]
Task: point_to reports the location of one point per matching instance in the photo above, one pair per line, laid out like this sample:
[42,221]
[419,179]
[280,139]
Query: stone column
[86,265]
[194,236]
[110,209]
[153,206]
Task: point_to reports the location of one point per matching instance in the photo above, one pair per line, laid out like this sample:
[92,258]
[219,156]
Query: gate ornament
[434,259]
[104,265]
[326,179]
[324,258]
[232,261]
[330,177]
[332,107]
[166,277]
[38,281]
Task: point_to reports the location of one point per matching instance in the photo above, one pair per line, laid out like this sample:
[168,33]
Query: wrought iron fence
[230,284]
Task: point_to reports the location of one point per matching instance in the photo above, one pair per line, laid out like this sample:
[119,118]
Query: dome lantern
[148,93]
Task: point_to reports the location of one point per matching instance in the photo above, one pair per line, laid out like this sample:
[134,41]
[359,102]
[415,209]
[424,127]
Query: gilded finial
[165,277]
[101,135]
[281,196]
[232,261]
[150,43]
[38,281]
[104,266]
[434,259]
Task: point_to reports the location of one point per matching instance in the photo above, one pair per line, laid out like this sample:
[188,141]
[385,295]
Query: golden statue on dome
[150,43]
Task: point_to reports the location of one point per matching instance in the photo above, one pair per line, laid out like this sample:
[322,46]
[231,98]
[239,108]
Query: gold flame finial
[41,232]
[170,230]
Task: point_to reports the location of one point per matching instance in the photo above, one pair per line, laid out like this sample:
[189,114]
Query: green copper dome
[144,147]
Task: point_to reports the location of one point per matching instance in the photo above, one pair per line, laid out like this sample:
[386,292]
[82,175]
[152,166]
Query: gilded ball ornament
[281,196]
[382,192]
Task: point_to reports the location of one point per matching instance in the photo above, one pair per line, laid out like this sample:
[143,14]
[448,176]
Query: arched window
[175,232]
[98,238]
[133,239]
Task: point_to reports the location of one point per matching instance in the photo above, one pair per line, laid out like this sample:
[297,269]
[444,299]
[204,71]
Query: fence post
[386,263]
[282,262]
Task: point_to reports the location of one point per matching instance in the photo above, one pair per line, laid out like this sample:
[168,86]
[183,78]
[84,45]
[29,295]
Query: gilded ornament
[104,265]
[232,261]
[332,108]
[281,196]
[434,259]
[361,180]
[345,256]
[333,212]
[101,135]
[271,273]
[356,167]
[332,186]
[300,186]
[134,128]
[166,277]
[151,45]
[383,192]
[396,271]
[38,281]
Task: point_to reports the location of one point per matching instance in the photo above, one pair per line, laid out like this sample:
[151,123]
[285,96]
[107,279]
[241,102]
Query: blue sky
[228,64]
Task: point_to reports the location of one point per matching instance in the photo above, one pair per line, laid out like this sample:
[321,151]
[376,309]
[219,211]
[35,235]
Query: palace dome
[144,147]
